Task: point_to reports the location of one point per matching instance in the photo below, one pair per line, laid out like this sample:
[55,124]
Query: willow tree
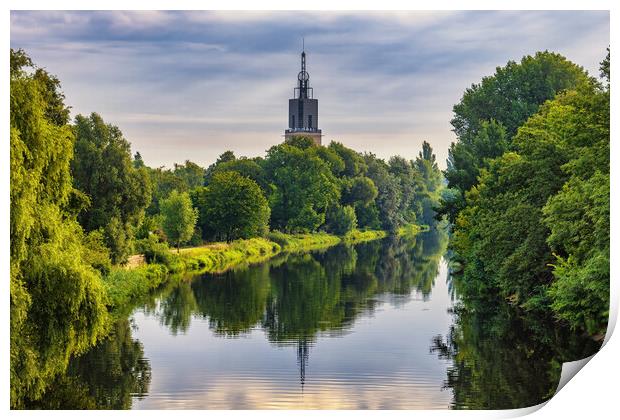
[57,299]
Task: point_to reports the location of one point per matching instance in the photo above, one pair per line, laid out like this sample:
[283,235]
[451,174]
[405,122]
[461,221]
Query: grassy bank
[303,242]
[222,256]
[359,236]
[124,285]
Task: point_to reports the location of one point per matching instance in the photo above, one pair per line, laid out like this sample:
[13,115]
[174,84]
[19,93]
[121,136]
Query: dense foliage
[534,228]
[490,112]
[334,188]
[57,300]
[232,207]
[117,192]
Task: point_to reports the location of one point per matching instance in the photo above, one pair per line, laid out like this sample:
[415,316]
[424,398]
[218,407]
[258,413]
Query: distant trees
[117,191]
[178,217]
[334,188]
[193,175]
[431,186]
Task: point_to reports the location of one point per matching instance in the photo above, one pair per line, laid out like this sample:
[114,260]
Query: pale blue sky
[190,85]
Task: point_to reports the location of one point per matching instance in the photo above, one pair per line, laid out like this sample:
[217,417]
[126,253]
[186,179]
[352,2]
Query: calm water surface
[373,326]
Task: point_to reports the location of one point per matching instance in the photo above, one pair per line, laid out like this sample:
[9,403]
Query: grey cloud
[192,84]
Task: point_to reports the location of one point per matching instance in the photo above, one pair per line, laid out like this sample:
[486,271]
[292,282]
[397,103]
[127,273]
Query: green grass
[358,236]
[123,285]
[221,256]
[295,243]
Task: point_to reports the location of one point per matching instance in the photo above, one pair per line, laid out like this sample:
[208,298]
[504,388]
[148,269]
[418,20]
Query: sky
[193,84]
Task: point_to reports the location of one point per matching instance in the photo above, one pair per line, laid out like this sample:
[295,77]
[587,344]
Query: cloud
[189,84]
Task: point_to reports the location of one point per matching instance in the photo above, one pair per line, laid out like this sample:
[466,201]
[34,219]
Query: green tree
[429,192]
[354,164]
[604,68]
[490,112]
[359,191]
[227,156]
[233,207]
[119,192]
[178,217]
[410,186]
[389,197]
[56,297]
[248,168]
[304,188]
[192,174]
[164,181]
[545,198]
[138,162]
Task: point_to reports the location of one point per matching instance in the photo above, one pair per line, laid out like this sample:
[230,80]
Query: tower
[303,109]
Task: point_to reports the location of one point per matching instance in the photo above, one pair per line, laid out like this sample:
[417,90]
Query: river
[372,326]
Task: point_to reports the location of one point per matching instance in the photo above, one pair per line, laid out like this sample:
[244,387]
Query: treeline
[298,187]
[528,190]
[81,203]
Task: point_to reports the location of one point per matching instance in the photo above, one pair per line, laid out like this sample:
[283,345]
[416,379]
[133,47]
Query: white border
[593,393]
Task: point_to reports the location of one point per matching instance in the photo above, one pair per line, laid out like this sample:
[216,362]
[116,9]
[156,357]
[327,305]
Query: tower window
[309,121]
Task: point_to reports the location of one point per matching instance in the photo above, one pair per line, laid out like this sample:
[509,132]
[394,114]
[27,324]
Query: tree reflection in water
[108,376]
[502,358]
[292,298]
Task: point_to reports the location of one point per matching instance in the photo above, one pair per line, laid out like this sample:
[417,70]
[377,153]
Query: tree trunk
[178,247]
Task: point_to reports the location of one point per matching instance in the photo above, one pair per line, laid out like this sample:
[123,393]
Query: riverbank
[124,284]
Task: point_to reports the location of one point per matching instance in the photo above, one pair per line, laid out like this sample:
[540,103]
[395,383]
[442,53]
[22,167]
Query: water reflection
[292,301]
[502,358]
[110,376]
[349,327]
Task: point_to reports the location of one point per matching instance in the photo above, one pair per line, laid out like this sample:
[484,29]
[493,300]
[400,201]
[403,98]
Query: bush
[154,251]
[96,254]
[124,285]
[341,220]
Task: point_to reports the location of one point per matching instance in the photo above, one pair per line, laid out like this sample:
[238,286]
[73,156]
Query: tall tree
[179,217]
[429,193]
[119,193]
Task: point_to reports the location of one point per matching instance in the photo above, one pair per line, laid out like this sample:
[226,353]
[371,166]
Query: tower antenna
[303,44]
